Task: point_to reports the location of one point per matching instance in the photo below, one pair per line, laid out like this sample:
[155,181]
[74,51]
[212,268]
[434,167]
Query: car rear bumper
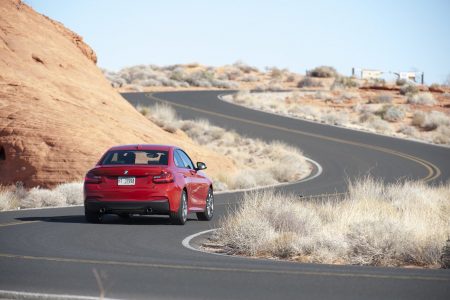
[137,207]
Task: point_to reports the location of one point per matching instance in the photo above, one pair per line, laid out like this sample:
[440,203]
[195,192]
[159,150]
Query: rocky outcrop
[57,111]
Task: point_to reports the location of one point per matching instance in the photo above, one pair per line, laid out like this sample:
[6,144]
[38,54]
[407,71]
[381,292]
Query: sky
[387,35]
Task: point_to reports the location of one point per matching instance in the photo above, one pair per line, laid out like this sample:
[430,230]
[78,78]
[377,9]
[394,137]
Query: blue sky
[387,35]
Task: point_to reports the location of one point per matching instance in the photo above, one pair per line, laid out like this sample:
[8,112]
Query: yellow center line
[17,223]
[221,269]
[433,171]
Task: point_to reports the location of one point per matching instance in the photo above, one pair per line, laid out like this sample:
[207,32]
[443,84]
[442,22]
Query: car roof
[142,147]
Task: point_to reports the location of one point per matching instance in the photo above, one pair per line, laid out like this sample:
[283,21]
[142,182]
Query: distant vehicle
[145,180]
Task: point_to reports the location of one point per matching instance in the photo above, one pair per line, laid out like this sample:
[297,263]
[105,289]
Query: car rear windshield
[136,157]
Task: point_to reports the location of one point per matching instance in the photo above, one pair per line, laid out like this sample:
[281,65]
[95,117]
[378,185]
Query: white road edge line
[38,296]
[308,178]
[186,242]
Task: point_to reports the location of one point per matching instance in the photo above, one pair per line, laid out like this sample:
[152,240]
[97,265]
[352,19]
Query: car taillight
[164,177]
[92,178]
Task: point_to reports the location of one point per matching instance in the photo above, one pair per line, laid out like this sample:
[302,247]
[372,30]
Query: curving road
[54,251]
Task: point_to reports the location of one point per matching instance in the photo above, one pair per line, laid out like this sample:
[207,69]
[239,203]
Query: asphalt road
[55,251]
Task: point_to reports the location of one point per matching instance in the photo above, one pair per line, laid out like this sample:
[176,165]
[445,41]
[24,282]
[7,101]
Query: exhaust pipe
[148,211]
[102,210]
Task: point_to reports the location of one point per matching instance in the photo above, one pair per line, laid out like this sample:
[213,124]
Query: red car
[148,179]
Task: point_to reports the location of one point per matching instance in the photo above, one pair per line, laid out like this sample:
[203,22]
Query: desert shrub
[323,72]
[375,224]
[430,120]
[192,65]
[409,89]
[400,82]
[422,99]
[245,67]
[274,86]
[309,82]
[325,96]
[250,78]
[383,98]
[445,257]
[72,192]
[409,131]
[164,116]
[335,118]
[8,198]
[291,78]
[224,84]
[344,82]
[38,197]
[392,113]
[379,125]
[377,82]
[441,135]
[276,72]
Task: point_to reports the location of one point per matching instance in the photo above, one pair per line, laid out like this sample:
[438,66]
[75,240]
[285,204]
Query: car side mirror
[200,166]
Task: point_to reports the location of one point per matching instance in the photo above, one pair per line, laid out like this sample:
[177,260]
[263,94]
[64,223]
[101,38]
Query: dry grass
[17,197]
[375,224]
[422,99]
[261,163]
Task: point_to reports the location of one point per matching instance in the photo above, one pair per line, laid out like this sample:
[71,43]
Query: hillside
[57,111]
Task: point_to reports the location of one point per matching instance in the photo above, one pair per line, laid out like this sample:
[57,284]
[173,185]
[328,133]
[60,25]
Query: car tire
[209,208]
[93,216]
[180,216]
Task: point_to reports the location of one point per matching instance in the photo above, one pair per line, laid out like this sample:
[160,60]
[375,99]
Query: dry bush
[245,67]
[405,223]
[400,82]
[430,120]
[162,115]
[324,96]
[250,78]
[72,192]
[383,98]
[409,89]
[343,82]
[38,197]
[8,198]
[323,72]
[379,125]
[16,197]
[422,99]
[441,135]
[445,257]
[335,118]
[309,82]
[392,113]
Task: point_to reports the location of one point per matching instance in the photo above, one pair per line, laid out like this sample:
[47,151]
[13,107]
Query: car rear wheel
[179,217]
[93,216]
[209,209]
